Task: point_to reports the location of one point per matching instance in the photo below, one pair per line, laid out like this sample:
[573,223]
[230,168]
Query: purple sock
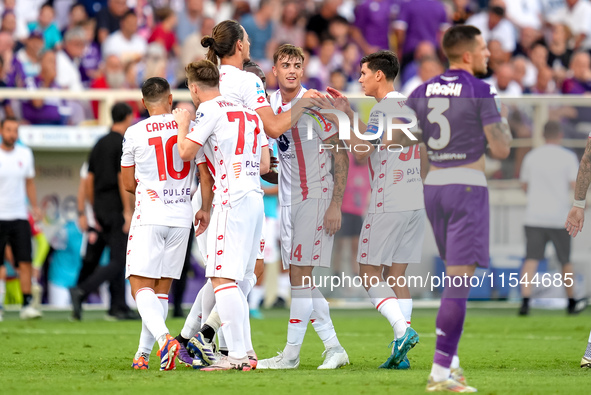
[450,323]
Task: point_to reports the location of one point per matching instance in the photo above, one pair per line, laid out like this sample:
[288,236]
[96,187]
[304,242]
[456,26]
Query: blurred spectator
[6,52]
[9,23]
[576,15]
[350,65]
[5,106]
[524,72]
[93,6]
[15,18]
[189,20]
[68,60]
[494,26]
[45,24]
[338,80]
[155,64]
[527,38]
[321,65]
[338,29]
[92,58]
[44,111]
[164,32]
[290,27]
[524,13]
[425,49]
[259,27]
[428,68]
[192,50]
[111,76]
[317,26]
[419,20]
[580,69]
[26,60]
[125,42]
[372,25]
[497,55]
[107,19]
[462,10]
[503,81]
[544,83]
[76,16]
[558,52]
[219,10]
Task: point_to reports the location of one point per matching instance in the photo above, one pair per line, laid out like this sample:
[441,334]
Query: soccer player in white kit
[310,212]
[152,169]
[393,231]
[229,44]
[233,138]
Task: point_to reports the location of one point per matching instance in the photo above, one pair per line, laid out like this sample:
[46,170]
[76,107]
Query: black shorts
[537,238]
[17,234]
[350,225]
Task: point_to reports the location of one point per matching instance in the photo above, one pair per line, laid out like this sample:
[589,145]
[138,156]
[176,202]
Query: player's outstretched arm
[202,216]
[576,216]
[276,125]
[332,218]
[187,148]
[499,139]
[265,161]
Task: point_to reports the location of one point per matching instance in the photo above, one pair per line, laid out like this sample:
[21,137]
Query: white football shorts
[304,242]
[156,251]
[388,238]
[233,238]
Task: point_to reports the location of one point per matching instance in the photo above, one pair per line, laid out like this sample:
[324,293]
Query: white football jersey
[163,193]
[304,165]
[232,137]
[242,87]
[396,183]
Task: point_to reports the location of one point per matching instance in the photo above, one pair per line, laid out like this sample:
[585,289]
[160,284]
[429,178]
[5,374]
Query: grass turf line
[500,352]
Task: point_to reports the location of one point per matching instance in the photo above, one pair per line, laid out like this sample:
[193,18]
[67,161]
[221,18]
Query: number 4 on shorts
[297,253]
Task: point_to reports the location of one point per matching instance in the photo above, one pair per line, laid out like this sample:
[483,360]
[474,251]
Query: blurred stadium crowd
[537,46]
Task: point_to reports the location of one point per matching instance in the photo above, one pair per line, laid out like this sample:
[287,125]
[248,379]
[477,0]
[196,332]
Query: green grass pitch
[500,352]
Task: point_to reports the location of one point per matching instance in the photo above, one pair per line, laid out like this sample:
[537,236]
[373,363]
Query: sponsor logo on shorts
[220,252]
[218,267]
[237,169]
[295,321]
[153,195]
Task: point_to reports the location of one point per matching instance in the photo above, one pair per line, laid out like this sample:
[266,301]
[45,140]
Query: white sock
[2,293]
[163,298]
[299,315]
[246,326]
[321,320]
[208,300]
[146,340]
[455,362]
[384,299]
[256,297]
[406,308]
[283,286]
[151,311]
[231,310]
[193,321]
[247,284]
[439,373]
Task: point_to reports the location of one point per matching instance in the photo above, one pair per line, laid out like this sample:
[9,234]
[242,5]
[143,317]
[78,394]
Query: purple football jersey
[452,110]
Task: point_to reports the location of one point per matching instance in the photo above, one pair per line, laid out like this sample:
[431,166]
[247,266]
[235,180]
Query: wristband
[579,204]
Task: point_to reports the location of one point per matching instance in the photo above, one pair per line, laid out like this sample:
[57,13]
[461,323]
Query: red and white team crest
[262,245]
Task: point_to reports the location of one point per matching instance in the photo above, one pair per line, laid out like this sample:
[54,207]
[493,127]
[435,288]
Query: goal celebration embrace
[365,199]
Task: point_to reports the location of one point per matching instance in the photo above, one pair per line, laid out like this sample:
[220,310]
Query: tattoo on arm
[584,174]
[341,169]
